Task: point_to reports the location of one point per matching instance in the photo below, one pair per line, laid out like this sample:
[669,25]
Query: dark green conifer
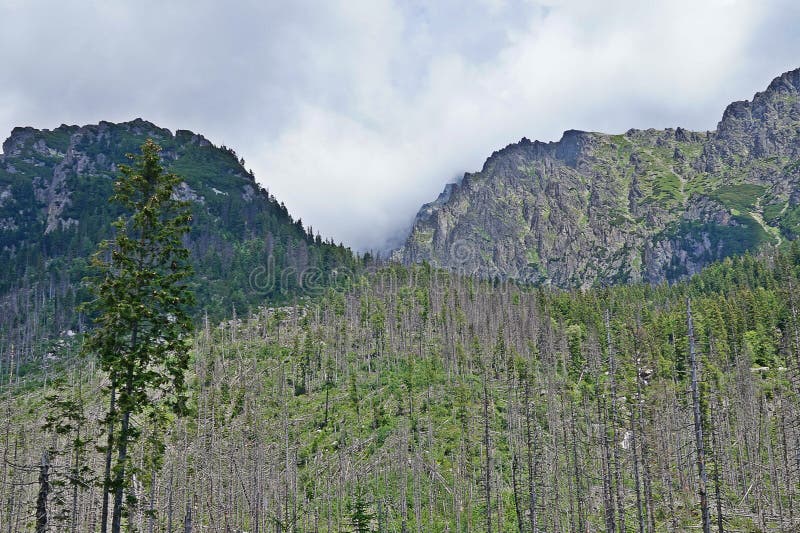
[140,310]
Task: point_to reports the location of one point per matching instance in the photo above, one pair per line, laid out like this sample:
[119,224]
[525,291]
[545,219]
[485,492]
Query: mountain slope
[594,209]
[54,209]
[451,405]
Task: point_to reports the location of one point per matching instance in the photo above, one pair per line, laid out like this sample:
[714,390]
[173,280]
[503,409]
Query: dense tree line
[419,401]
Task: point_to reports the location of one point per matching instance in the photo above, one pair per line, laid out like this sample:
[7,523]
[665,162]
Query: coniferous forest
[417,400]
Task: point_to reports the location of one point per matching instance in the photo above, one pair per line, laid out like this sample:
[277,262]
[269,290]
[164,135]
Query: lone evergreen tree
[140,311]
[360,516]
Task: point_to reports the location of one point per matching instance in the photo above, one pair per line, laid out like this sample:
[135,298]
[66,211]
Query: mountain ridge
[54,189]
[647,205]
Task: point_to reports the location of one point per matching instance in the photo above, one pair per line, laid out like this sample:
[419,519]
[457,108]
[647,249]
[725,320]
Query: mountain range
[595,209]
[592,209]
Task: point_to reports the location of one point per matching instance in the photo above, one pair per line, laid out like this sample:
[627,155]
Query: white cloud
[355,113]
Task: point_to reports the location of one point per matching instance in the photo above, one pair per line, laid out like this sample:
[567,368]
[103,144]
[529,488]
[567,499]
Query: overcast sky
[354,113]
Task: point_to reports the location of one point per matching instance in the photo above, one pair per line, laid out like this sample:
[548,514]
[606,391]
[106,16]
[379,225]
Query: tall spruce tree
[140,311]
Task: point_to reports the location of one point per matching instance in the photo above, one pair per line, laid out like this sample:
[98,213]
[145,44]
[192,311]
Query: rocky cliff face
[51,179]
[595,209]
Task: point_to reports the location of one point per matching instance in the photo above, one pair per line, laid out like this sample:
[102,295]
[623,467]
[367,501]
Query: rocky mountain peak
[44,174]
[571,146]
[763,127]
[593,209]
[18,137]
[786,82]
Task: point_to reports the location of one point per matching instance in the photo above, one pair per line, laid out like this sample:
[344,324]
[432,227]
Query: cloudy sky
[356,112]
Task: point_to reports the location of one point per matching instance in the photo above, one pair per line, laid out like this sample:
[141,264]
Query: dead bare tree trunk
[487,444]
[169,500]
[649,506]
[612,371]
[717,491]
[532,463]
[634,444]
[109,450]
[44,491]
[608,498]
[187,522]
[579,494]
[698,425]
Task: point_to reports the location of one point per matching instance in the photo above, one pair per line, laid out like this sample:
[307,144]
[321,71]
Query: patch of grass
[742,197]
[666,187]
[773,211]
[423,237]
[58,139]
[790,223]
[533,257]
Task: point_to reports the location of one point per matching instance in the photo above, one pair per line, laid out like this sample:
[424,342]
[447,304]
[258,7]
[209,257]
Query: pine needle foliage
[141,309]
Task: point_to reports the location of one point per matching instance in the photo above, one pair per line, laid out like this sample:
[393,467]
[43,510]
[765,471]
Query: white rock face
[185,193]
[249,193]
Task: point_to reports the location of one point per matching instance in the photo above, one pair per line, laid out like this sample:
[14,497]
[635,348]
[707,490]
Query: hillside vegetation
[422,401]
[55,187]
